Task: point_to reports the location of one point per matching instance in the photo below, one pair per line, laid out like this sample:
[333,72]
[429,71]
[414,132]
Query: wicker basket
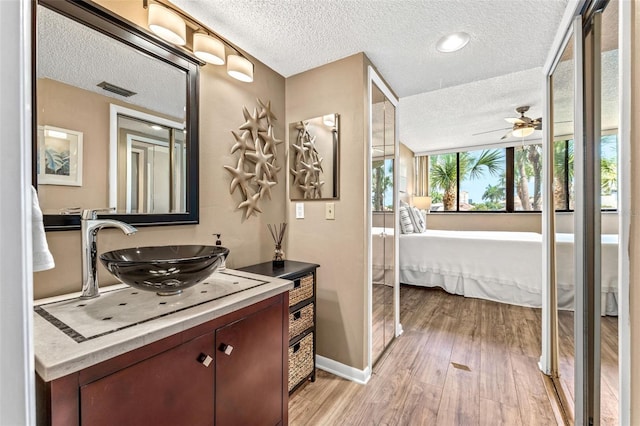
[300,320]
[300,360]
[302,291]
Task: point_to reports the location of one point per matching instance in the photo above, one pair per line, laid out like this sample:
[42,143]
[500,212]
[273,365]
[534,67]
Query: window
[563,189]
[609,172]
[510,179]
[481,175]
[482,180]
[527,175]
[382,185]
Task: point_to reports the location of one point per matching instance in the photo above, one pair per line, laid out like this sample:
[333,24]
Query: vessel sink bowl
[166,270]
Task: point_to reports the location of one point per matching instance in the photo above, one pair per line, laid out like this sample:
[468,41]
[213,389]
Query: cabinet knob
[205,359]
[227,349]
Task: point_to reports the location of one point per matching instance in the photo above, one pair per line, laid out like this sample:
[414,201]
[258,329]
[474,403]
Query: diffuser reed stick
[277,233]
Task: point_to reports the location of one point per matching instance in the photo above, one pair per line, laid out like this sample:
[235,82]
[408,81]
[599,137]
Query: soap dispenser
[223,263]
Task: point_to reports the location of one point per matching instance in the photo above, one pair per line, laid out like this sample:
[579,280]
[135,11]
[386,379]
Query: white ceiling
[82,57]
[465,92]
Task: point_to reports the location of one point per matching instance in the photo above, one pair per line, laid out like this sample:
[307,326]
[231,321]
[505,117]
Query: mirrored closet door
[584,106]
[384,283]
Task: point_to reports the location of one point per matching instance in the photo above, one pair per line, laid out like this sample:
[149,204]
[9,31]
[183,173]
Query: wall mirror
[134,99]
[313,158]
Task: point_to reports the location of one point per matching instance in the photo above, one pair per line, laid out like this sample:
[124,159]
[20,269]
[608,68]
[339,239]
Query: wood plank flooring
[460,361]
[609,372]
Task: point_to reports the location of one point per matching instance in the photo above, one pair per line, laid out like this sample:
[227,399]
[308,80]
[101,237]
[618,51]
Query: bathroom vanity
[216,354]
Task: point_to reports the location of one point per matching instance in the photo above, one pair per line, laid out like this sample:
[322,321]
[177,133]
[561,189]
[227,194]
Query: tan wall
[406,165]
[522,222]
[337,245]
[221,102]
[634,235]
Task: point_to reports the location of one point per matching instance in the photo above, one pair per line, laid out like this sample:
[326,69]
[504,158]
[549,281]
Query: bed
[501,266]
[382,246]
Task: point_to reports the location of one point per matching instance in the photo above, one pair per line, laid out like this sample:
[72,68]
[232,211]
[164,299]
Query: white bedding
[500,266]
[382,255]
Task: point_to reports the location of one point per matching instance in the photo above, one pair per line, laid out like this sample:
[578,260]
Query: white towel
[42,258]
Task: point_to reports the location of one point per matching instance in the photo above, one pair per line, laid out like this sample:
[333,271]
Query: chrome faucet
[90,225]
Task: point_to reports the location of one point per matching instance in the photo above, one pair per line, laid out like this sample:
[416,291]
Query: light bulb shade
[240,68]
[522,132]
[422,203]
[167,24]
[209,49]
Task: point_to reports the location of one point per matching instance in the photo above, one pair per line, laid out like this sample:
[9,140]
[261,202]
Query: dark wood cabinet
[229,371]
[170,388]
[302,316]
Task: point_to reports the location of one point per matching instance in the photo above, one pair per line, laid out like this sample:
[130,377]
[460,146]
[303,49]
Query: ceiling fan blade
[491,131]
[537,126]
[515,120]
[507,135]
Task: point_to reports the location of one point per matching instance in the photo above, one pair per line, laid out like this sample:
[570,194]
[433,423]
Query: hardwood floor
[460,361]
[608,368]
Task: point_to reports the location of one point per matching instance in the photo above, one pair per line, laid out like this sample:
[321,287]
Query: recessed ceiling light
[156,127]
[452,42]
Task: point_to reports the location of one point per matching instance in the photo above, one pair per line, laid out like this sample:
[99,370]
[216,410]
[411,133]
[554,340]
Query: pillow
[406,224]
[418,218]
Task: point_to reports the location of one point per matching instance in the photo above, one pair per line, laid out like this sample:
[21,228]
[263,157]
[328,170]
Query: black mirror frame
[112,25]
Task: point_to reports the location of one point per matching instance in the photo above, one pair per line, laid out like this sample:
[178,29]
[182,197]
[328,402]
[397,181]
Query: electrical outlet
[299,210]
[330,211]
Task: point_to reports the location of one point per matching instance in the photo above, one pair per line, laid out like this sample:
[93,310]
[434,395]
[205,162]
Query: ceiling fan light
[453,42]
[522,132]
[240,68]
[209,49]
[167,24]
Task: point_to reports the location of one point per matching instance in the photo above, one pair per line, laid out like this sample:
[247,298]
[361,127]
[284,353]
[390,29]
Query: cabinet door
[249,377]
[171,388]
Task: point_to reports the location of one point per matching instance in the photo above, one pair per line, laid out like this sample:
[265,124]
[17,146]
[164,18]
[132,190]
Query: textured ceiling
[79,56]
[444,98]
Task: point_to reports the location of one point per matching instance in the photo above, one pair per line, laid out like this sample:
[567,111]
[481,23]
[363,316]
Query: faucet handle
[92,214]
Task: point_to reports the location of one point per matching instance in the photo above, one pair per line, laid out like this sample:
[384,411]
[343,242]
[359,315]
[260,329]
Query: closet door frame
[586,219]
[374,78]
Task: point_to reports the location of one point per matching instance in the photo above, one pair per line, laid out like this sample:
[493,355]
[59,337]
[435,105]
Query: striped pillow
[406,224]
[419,219]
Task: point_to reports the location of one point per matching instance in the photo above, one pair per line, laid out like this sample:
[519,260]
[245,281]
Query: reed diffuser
[277,233]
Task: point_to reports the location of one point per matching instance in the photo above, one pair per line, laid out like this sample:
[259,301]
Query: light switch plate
[330,211]
[299,210]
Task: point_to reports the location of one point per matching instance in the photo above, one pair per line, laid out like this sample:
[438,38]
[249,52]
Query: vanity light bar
[207,45]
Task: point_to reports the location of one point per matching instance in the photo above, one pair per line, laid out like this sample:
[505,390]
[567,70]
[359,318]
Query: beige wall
[221,102]
[634,235]
[522,222]
[406,165]
[337,245]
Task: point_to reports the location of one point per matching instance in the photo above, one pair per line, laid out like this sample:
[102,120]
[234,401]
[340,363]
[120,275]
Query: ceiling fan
[522,126]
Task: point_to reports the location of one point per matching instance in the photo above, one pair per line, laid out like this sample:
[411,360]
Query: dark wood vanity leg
[58,402]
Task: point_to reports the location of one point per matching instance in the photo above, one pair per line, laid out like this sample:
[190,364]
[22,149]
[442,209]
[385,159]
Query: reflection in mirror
[563,105]
[313,158]
[59,152]
[149,157]
[149,176]
[383,221]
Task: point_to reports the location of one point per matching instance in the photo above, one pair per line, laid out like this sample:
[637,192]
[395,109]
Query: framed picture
[59,156]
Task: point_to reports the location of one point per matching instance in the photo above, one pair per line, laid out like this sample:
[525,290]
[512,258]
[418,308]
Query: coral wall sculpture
[257,167]
[307,167]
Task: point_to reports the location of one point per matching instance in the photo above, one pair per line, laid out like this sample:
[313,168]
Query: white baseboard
[342,370]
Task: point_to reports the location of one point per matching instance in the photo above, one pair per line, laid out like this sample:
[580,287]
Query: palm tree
[493,193]
[380,182]
[443,173]
[528,163]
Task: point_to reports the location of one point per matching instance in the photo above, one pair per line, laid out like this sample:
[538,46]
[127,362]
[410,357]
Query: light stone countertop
[71,334]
